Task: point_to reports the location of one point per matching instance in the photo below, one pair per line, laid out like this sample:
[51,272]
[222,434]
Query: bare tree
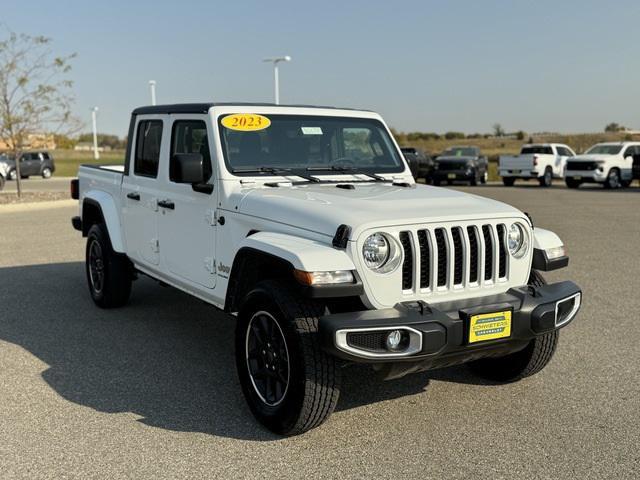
[498,131]
[35,92]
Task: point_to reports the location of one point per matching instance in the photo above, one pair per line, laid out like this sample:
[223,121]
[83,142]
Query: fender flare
[301,253]
[548,251]
[107,206]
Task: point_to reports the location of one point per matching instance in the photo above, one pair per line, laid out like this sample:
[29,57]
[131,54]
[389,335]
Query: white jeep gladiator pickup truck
[610,164]
[306,225]
[539,161]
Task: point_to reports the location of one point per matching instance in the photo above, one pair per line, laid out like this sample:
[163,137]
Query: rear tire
[547,178]
[508,181]
[12,175]
[524,363]
[109,274]
[288,395]
[46,172]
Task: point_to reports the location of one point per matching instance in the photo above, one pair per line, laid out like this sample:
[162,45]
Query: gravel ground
[150,391]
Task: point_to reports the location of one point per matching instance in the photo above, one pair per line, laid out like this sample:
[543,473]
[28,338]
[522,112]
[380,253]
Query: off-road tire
[572,183]
[508,181]
[547,178]
[314,377]
[117,270]
[524,363]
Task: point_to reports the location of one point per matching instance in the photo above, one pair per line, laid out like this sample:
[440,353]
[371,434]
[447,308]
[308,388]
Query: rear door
[140,191]
[187,229]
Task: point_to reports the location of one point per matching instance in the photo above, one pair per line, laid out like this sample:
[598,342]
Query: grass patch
[68,161]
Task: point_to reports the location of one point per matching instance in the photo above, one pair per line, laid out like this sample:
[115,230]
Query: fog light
[397,340]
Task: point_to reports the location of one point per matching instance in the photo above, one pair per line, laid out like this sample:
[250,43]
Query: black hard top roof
[204,107]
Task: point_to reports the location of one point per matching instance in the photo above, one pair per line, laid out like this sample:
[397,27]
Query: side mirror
[187,168]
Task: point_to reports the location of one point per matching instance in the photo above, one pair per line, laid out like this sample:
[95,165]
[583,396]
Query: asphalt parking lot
[150,391]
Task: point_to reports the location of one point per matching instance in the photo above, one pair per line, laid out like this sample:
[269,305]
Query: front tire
[109,274]
[46,172]
[524,363]
[291,385]
[474,180]
[613,179]
[12,175]
[572,183]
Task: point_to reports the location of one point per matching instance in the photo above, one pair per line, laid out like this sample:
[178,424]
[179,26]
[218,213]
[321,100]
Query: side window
[630,151]
[148,140]
[190,136]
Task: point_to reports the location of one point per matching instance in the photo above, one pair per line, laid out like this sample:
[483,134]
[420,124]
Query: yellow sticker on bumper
[246,122]
[489,326]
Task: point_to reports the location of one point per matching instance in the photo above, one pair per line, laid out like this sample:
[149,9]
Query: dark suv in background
[457,164]
[420,162]
[31,163]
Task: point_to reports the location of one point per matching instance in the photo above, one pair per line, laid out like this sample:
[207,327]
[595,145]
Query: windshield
[604,149]
[460,152]
[298,142]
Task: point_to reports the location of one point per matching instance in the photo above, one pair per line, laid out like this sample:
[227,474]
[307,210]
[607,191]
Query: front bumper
[439,333]
[452,175]
[597,176]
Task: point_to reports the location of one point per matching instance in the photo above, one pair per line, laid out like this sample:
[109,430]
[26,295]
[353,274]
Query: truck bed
[105,178]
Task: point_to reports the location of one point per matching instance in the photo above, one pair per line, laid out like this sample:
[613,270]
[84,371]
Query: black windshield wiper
[351,170]
[276,171]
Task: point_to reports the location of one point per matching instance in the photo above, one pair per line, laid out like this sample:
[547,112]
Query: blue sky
[565,66]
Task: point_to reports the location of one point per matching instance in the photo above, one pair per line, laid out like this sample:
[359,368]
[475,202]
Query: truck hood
[591,158]
[322,208]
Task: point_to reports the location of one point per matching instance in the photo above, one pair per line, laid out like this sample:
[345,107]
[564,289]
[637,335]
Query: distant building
[34,141]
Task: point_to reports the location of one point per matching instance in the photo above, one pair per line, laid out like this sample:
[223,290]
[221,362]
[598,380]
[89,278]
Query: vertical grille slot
[473,254]
[502,252]
[458,258]
[442,257]
[488,252]
[407,262]
[425,259]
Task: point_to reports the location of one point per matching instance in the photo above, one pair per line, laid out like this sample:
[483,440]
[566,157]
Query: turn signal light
[323,278]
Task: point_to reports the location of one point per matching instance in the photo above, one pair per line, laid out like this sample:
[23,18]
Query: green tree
[35,91]
[614,127]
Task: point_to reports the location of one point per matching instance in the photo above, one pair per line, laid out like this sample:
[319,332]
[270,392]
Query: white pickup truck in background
[541,161]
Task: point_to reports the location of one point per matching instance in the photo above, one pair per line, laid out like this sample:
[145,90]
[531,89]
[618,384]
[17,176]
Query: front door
[187,227]
[140,194]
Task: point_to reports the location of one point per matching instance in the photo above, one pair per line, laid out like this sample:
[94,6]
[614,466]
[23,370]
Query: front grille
[448,166]
[445,258]
[371,341]
[473,254]
[578,165]
[407,263]
[488,252]
[442,257]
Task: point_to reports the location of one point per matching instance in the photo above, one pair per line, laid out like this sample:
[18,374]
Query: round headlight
[381,253]
[517,240]
[376,251]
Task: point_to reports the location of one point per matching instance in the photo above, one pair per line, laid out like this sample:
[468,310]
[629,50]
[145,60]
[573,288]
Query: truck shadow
[165,357]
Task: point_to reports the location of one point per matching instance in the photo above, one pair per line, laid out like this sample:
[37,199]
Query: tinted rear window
[537,149]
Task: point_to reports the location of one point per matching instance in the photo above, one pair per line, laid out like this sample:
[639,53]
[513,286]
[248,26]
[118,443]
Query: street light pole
[276,82]
[94,112]
[152,86]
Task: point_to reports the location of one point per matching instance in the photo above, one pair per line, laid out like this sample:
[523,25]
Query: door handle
[133,196]
[166,204]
